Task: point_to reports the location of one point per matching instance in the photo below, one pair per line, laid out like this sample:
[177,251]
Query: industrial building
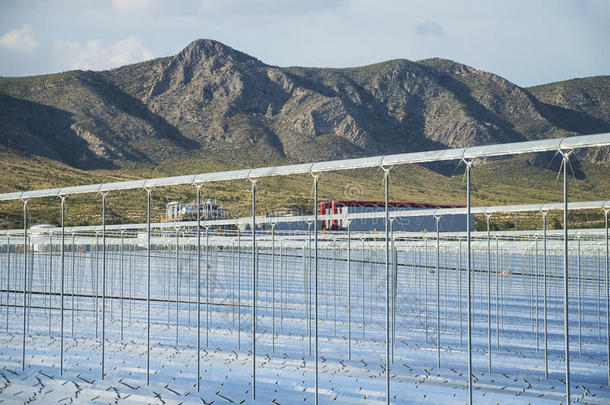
[448,223]
[209,209]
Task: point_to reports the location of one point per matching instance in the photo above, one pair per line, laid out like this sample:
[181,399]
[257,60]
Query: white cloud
[133,5]
[98,55]
[20,39]
[429,28]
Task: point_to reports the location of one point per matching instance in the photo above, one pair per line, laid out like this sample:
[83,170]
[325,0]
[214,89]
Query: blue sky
[528,42]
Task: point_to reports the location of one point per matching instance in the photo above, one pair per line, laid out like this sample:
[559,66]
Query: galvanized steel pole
[468,279]
[63,211]
[546,346]
[566,161]
[315,268]
[148,245]
[438,309]
[386,172]
[25,276]
[198,286]
[253,181]
[488,217]
[349,290]
[177,282]
[607,292]
[122,279]
[103,282]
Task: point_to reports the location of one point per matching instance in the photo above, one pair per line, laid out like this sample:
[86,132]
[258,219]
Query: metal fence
[316,281]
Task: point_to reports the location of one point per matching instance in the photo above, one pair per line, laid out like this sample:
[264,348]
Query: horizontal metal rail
[516,148]
[585,205]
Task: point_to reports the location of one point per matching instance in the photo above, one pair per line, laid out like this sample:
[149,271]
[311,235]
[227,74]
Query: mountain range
[214,101]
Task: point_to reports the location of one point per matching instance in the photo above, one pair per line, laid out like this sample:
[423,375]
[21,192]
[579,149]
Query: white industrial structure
[209,209]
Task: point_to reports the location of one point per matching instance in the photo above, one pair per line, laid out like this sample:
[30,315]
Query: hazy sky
[528,42]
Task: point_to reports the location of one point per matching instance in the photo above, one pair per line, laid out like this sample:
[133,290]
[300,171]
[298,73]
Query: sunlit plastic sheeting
[170,181]
[11,196]
[347,164]
[121,185]
[515,148]
[585,141]
[406,158]
[423,157]
[242,174]
[43,193]
[304,168]
[91,188]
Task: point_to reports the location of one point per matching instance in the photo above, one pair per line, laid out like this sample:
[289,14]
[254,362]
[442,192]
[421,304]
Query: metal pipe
[566,160]
[386,172]
[148,191]
[537,290]
[8,279]
[315,269]
[438,310]
[253,181]
[103,282]
[273,288]
[122,279]
[607,293]
[207,285]
[73,288]
[546,346]
[198,286]
[488,217]
[468,281]
[25,276]
[578,268]
[460,288]
[63,246]
[177,281]
[238,289]
[349,290]
[497,294]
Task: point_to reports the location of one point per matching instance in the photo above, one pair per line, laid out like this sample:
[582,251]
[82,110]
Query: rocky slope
[213,100]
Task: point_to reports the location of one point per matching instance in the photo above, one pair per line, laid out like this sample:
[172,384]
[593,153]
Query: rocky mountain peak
[214,99]
[202,50]
[201,58]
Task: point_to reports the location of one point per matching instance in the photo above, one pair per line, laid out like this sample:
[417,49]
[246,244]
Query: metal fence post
[25,276]
[566,161]
[468,277]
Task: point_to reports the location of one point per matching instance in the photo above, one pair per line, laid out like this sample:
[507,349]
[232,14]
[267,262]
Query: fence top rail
[270,220]
[566,143]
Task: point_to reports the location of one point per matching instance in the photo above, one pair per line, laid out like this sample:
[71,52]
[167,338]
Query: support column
[566,326]
[544,293]
[207,285]
[177,282]
[386,176]
[25,277]
[488,217]
[198,285]
[468,279]
[273,288]
[122,278]
[63,248]
[349,290]
[253,181]
[104,282]
[315,270]
[437,277]
[148,191]
[238,289]
[607,292]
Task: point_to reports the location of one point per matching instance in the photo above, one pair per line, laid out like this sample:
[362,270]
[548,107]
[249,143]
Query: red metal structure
[332,207]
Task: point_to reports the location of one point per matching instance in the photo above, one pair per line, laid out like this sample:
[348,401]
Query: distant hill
[212,100]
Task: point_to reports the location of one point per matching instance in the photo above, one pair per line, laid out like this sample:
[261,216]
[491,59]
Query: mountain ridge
[211,99]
